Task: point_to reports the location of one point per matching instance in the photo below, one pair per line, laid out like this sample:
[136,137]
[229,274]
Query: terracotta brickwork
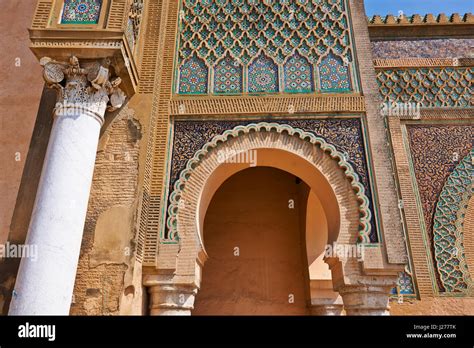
[386,190]
[105,258]
[469,235]
[157,143]
[426,20]
[261,105]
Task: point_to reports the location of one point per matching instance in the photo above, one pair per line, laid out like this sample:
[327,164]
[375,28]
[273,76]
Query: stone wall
[427,48]
[108,280]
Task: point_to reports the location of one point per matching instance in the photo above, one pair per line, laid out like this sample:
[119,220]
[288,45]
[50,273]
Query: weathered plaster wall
[108,267]
[251,212]
[27,193]
[108,280]
[21,86]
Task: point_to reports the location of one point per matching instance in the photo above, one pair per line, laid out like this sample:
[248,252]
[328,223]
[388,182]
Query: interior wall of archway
[322,221]
[317,225]
[287,161]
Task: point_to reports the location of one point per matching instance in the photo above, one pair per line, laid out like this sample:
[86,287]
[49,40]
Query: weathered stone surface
[427,48]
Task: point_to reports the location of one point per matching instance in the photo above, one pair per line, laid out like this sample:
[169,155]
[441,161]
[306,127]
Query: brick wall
[385,186]
[104,261]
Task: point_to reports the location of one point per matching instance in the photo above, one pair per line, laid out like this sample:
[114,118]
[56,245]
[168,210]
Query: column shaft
[44,285]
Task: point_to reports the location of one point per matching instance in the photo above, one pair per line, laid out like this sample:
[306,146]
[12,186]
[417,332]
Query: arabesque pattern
[283,31]
[134,22]
[334,75]
[194,77]
[448,226]
[263,75]
[431,87]
[436,150]
[404,284]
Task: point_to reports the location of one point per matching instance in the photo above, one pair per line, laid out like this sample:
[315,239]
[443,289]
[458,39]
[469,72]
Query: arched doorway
[254,233]
[364,284]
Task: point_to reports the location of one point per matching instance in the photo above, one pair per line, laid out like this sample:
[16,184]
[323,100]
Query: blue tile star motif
[263,75]
[194,77]
[298,75]
[228,76]
[334,75]
[81,11]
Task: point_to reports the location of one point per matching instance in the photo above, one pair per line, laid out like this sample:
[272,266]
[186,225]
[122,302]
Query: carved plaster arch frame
[448,223]
[331,163]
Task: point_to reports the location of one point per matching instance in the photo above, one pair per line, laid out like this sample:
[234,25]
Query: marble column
[44,285]
[326,306]
[366,299]
[172,299]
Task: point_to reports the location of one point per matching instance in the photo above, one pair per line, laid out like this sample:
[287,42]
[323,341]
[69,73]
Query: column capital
[326,306]
[366,299]
[172,299]
[83,89]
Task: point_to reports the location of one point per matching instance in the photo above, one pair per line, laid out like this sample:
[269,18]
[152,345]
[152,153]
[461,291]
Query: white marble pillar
[326,306]
[367,299]
[44,285]
[172,299]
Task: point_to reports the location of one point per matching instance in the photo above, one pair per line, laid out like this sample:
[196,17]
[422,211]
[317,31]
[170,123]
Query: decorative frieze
[266,105]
